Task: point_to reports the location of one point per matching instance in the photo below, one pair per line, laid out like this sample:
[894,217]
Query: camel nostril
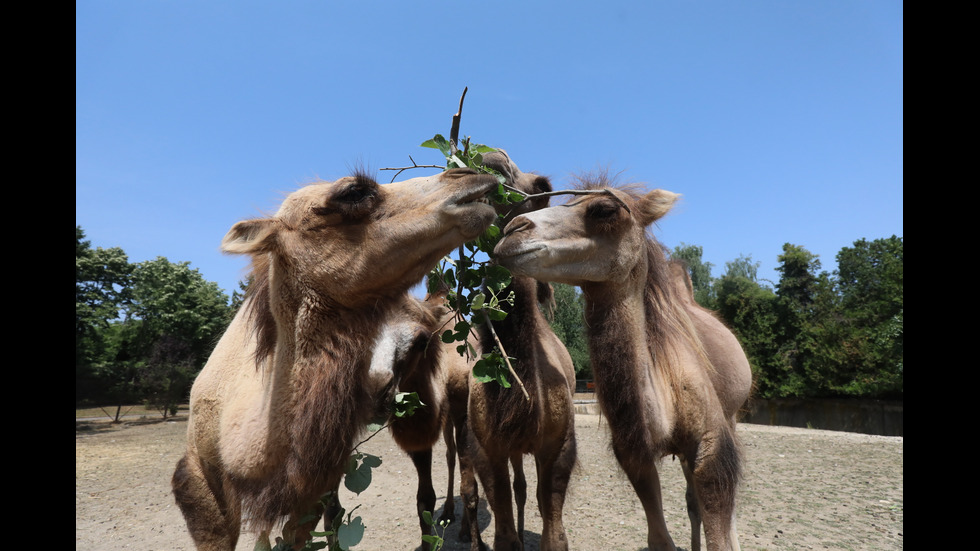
[520,223]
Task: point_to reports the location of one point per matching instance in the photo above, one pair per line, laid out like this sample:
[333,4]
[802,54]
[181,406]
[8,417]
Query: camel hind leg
[520,492]
[716,474]
[449,507]
[469,529]
[212,513]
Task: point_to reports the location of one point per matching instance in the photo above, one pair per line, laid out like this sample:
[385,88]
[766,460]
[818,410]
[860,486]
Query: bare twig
[401,169]
[454,131]
[373,434]
[503,353]
[573,192]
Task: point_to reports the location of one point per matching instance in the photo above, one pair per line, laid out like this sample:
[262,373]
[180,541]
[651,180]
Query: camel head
[526,182]
[353,241]
[591,238]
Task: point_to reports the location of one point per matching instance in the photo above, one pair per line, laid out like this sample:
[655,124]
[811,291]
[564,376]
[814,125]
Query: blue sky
[779,122]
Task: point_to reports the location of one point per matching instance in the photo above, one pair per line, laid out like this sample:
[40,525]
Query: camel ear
[250,237]
[539,184]
[656,204]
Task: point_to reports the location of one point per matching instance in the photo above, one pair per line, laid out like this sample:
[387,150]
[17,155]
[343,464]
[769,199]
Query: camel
[670,377]
[438,374]
[504,425]
[287,391]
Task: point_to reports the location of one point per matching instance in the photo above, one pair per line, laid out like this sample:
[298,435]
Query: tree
[752,312]
[102,278]
[743,267]
[177,318]
[567,322]
[870,277]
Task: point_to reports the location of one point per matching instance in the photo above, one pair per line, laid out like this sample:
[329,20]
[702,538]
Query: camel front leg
[646,483]
[495,477]
[299,525]
[425,497]
[693,507]
[554,473]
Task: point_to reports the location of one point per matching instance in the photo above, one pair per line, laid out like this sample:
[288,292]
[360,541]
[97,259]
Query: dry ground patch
[803,489]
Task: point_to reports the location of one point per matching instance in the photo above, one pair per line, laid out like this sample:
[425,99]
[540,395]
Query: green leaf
[496,315]
[440,143]
[448,336]
[478,301]
[482,371]
[462,330]
[455,160]
[427,517]
[406,403]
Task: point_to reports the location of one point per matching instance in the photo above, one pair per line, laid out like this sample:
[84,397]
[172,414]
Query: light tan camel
[286,392]
[505,425]
[669,377]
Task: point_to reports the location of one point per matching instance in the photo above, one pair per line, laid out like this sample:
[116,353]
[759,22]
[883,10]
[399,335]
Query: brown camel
[281,402]
[669,376]
[505,425]
[438,374]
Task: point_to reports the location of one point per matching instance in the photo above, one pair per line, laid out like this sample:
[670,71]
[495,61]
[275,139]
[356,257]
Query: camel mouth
[510,257]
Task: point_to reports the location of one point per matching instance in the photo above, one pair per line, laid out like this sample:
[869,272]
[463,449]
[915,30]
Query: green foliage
[474,283]
[870,277]
[143,330]
[818,334]
[406,403]
[102,278]
[174,299]
[435,541]
[491,368]
[567,321]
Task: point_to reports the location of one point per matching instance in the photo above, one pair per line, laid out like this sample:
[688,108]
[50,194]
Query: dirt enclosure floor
[803,489]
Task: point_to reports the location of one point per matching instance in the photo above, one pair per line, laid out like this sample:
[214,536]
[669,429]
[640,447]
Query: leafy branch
[473,287]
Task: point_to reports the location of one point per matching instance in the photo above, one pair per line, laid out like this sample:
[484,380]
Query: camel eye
[355,193]
[602,210]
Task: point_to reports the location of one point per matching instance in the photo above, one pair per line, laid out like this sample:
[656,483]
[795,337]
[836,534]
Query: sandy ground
[803,489]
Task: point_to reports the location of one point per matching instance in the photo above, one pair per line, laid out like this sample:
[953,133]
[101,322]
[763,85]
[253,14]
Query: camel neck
[630,388]
[522,321]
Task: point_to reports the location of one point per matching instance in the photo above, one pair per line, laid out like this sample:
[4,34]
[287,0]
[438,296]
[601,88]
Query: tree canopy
[817,334]
[142,331]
